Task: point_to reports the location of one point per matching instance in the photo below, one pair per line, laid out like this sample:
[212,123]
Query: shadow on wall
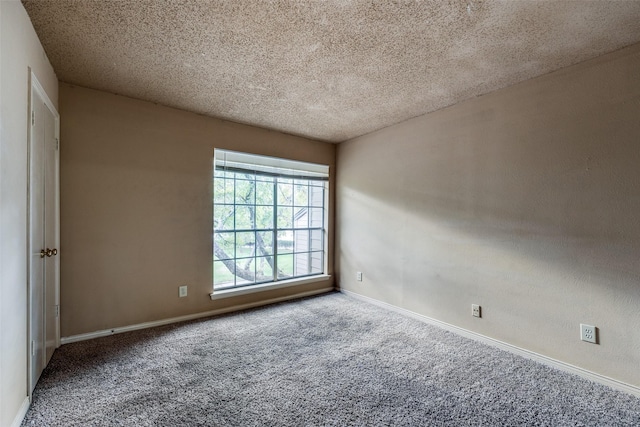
[440,235]
[535,282]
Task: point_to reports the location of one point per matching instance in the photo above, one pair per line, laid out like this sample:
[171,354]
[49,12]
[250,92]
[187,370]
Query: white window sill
[234,292]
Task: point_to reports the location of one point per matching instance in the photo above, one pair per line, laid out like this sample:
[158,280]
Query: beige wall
[19,50]
[525,201]
[136,207]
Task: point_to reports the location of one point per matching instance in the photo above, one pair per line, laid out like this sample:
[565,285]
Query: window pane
[301,264]
[223,217]
[245,192]
[264,217]
[245,271]
[316,240]
[317,263]
[285,242]
[285,192]
[265,178]
[264,272]
[285,217]
[285,266]
[223,190]
[244,217]
[301,241]
[264,242]
[245,243]
[301,218]
[264,193]
[316,217]
[300,195]
[223,245]
[316,196]
[221,173]
[223,277]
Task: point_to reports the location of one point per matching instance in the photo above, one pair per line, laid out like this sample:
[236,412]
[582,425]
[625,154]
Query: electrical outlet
[588,333]
[182,291]
[359,276]
[475,310]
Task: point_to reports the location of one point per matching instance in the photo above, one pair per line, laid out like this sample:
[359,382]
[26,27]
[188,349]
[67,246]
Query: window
[268,219]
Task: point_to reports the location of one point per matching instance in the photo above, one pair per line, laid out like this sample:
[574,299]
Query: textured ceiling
[328,70]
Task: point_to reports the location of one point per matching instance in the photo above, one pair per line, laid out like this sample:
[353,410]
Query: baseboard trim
[21,412]
[145,325]
[554,363]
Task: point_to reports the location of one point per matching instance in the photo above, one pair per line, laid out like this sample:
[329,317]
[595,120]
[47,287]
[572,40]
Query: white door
[50,233]
[43,232]
[36,231]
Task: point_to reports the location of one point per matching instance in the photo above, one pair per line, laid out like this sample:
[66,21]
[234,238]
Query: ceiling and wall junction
[327,70]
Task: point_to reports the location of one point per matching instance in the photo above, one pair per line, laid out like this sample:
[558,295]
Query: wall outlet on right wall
[589,333]
[475,310]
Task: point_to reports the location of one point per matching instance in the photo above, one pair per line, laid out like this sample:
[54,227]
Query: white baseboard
[21,412]
[592,376]
[107,332]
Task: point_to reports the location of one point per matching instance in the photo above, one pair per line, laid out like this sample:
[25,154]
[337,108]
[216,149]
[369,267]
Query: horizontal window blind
[232,161]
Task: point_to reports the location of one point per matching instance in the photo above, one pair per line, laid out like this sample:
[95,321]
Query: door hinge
[57,311]
[33,118]
[57,144]
[33,348]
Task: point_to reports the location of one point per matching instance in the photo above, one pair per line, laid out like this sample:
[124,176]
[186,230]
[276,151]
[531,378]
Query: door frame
[34,84]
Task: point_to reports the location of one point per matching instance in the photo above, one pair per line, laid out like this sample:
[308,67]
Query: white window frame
[232,161]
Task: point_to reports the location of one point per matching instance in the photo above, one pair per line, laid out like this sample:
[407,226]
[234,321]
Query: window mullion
[235,235]
[254,220]
[275,229]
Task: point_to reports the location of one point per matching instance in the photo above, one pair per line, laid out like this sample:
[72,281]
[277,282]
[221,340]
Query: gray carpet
[327,360]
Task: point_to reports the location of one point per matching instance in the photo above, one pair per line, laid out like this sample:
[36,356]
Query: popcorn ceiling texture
[327,70]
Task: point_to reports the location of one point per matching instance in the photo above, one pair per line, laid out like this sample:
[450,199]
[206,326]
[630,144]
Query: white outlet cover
[182,291]
[475,310]
[359,276]
[588,333]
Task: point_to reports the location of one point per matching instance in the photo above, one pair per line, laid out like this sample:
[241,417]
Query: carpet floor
[326,360]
